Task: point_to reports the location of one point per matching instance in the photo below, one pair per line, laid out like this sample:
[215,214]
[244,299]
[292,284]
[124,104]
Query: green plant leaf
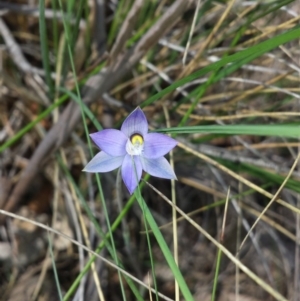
[292,131]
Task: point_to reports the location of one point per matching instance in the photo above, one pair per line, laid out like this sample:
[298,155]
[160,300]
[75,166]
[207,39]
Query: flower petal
[112,142]
[102,162]
[157,145]
[136,122]
[131,177]
[159,167]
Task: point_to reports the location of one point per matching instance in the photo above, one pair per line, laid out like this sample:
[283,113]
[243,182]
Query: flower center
[137,139]
[135,145]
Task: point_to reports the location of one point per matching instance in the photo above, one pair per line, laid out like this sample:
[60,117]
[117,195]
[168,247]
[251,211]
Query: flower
[134,149]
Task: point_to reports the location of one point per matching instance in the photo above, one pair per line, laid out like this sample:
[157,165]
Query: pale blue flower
[132,148]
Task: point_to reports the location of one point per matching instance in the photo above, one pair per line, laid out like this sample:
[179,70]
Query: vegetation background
[223,78]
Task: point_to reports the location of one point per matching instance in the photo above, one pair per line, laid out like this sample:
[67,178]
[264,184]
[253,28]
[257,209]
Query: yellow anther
[137,139]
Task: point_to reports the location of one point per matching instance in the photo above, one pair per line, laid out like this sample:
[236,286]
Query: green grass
[226,56]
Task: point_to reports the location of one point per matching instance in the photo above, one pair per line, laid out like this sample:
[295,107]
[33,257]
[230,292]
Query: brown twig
[14,49]
[126,29]
[98,19]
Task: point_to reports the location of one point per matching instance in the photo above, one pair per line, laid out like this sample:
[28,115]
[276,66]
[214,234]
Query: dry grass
[34,184]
